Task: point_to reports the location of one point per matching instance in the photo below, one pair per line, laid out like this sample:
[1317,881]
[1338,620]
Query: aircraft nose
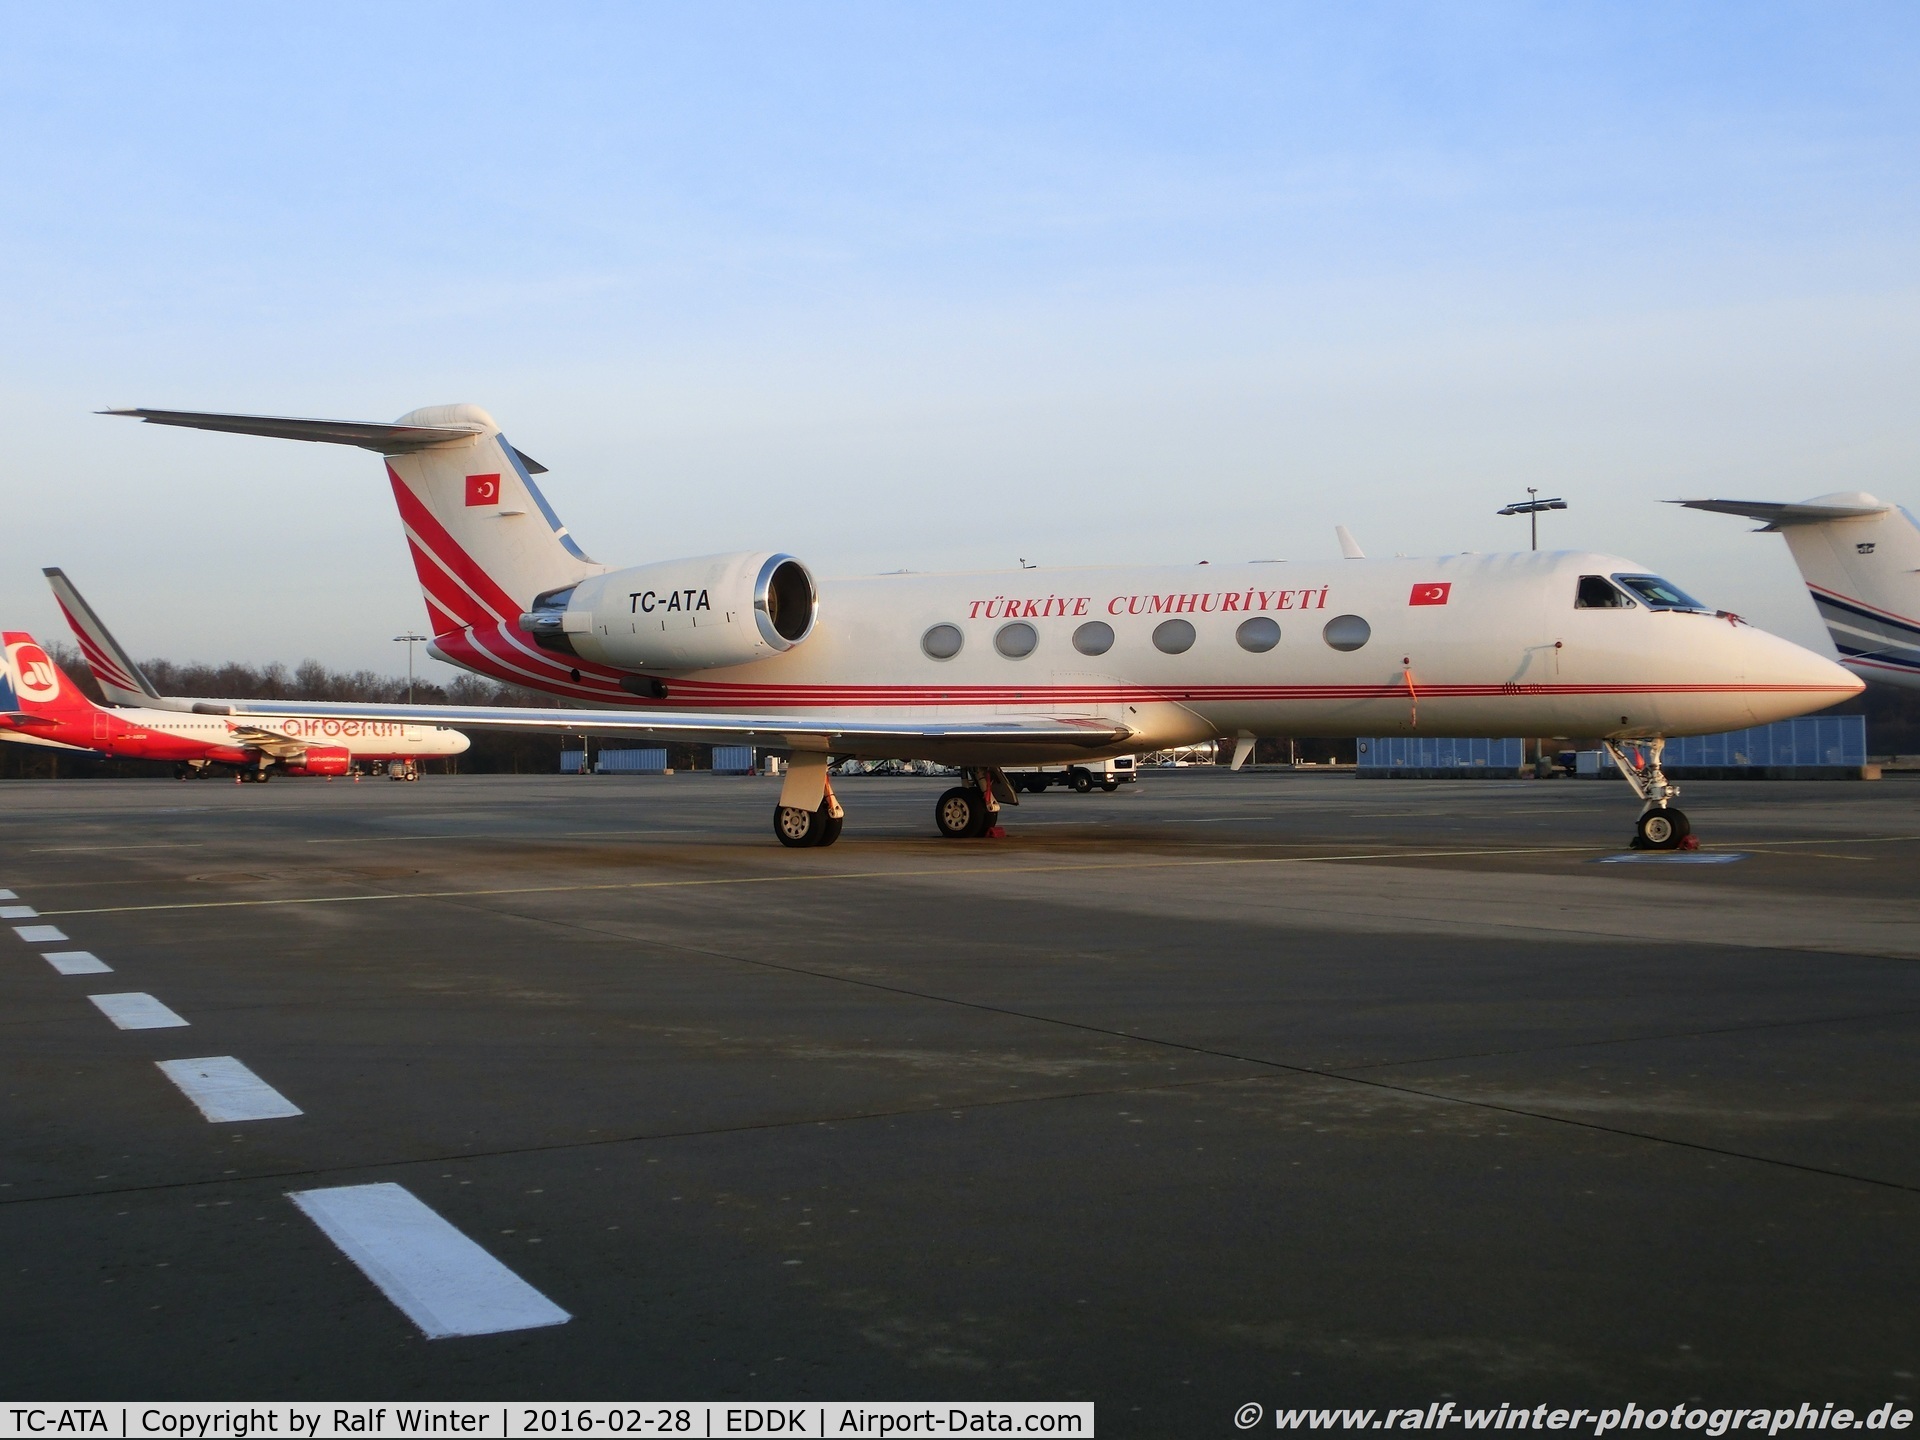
[1789,679]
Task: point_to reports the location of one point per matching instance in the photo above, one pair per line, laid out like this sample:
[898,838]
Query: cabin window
[1093,638]
[1599,593]
[1174,637]
[1346,632]
[942,642]
[1016,641]
[1260,634]
[1659,595]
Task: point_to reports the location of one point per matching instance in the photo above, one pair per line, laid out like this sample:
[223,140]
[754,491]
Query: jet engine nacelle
[322,760]
[680,614]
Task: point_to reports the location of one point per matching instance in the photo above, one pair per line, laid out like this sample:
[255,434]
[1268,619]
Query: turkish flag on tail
[483,489]
[1431,594]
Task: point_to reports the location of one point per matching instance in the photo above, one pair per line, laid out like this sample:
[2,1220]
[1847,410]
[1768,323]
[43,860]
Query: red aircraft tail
[33,688]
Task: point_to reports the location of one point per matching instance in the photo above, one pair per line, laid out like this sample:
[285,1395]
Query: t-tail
[484,540]
[1860,557]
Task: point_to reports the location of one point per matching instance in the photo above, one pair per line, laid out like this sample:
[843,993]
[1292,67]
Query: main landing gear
[972,810]
[1662,824]
[798,828]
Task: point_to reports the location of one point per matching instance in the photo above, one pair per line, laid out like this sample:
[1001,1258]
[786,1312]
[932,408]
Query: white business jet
[990,669]
[1860,558]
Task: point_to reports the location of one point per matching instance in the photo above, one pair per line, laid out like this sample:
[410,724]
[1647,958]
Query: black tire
[961,813]
[1109,784]
[797,829]
[828,827]
[1663,829]
[1082,783]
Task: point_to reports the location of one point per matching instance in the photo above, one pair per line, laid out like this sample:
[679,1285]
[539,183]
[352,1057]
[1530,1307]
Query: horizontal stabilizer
[1778,515]
[367,434]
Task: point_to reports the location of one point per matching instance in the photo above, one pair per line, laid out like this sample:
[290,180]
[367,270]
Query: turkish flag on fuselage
[1430,594]
[483,489]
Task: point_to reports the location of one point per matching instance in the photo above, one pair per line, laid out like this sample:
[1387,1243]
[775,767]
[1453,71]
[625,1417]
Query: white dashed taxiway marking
[39,934]
[8,895]
[135,1011]
[226,1090]
[77,962]
[17,912]
[446,1284]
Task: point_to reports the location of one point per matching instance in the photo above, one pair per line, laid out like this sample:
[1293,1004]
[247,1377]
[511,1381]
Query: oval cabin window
[1347,632]
[1259,634]
[942,642]
[1016,641]
[1093,638]
[1174,637]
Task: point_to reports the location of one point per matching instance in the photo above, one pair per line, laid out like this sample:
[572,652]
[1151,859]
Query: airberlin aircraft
[40,705]
[985,670]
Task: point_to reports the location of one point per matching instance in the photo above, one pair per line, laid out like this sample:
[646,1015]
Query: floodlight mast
[1531,508]
[411,639]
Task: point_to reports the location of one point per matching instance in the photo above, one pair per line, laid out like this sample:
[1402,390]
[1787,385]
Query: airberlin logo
[1432,594]
[483,489]
[34,674]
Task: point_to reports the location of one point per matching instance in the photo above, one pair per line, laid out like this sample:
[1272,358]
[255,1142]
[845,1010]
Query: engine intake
[693,614]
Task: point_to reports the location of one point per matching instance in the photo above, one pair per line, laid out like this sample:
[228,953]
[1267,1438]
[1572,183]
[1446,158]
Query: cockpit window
[1659,595]
[1599,593]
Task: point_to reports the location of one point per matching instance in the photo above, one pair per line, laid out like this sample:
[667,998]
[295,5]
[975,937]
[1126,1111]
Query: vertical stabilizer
[119,679]
[484,539]
[32,685]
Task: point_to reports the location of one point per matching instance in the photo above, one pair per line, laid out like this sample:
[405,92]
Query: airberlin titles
[307,729]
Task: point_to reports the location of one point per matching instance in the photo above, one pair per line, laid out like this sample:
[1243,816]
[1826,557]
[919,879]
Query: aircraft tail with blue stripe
[1860,557]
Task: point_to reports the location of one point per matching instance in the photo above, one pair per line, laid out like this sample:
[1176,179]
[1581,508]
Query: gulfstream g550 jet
[989,669]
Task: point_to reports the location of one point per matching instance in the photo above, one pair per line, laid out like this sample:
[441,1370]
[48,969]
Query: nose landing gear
[1662,824]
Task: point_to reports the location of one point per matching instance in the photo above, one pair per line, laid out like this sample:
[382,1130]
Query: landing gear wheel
[962,814]
[828,827]
[1082,782]
[796,828]
[1664,829]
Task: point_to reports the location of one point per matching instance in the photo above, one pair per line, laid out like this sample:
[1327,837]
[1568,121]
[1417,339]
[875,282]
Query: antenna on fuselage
[1349,546]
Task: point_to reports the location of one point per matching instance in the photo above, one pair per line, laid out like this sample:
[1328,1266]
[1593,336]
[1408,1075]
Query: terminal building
[1814,747]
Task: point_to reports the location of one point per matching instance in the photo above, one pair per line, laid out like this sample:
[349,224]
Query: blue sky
[941,286]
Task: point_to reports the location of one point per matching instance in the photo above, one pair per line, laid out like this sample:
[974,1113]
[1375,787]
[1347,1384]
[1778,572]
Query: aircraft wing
[1778,515]
[867,735]
[272,742]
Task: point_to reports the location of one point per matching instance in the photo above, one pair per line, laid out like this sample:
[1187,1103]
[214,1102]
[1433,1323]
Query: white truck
[1082,775]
